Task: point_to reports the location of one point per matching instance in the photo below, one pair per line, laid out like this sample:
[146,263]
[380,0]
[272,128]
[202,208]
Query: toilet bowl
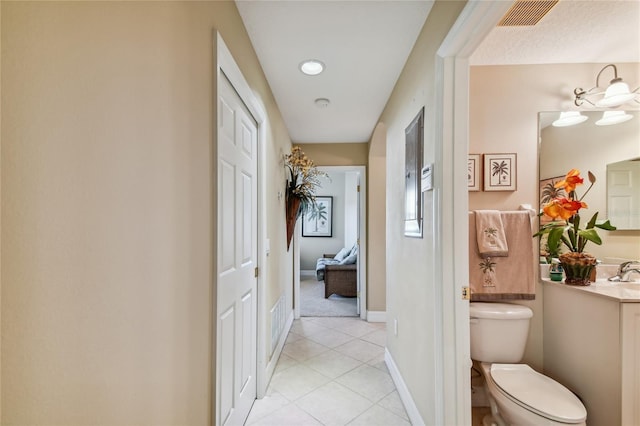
[521,396]
[518,394]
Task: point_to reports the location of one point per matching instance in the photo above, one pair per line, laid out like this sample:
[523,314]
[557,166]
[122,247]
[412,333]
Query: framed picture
[548,192]
[500,172]
[414,137]
[318,221]
[473,172]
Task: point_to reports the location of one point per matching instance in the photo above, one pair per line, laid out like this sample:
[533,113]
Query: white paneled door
[623,194]
[237,253]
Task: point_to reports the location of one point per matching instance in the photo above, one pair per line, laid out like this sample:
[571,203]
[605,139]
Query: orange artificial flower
[563,208]
[571,180]
[565,212]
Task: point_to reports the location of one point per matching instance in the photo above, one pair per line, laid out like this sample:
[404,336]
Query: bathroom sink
[605,281]
[630,285]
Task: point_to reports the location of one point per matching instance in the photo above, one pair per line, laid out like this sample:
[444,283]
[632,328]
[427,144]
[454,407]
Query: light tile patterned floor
[331,372]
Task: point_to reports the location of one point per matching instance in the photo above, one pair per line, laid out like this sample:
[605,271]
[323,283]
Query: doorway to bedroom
[331,247]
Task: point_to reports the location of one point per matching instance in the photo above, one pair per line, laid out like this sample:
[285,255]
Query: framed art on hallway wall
[317,222]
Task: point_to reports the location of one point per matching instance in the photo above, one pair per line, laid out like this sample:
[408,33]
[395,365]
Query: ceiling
[364,45]
[574,31]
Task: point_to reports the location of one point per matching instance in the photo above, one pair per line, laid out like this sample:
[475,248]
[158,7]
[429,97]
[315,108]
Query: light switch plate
[427,177]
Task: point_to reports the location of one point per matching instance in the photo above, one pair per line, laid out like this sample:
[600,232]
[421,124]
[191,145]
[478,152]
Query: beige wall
[377,221]
[336,154]
[410,268]
[504,106]
[106,242]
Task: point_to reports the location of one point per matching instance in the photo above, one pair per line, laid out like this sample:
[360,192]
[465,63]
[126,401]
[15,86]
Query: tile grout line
[336,326]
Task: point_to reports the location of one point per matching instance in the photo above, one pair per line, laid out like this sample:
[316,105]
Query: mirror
[587,146]
[623,193]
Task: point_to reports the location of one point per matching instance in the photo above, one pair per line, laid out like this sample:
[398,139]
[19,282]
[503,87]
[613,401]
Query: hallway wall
[411,266]
[336,154]
[377,219]
[106,205]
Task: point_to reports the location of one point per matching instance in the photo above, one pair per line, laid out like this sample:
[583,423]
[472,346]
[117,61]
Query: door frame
[225,63]
[453,362]
[362,249]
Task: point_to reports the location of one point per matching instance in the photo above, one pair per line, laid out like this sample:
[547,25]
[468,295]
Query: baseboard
[405,396]
[376,316]
[307,273]
[271,366]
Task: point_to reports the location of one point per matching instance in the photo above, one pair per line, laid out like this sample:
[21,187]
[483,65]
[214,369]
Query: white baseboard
[376,316]
[405,396]
[271,366]
[307,273]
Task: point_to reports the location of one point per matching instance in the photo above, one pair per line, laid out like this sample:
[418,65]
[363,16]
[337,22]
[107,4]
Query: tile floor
[331,372]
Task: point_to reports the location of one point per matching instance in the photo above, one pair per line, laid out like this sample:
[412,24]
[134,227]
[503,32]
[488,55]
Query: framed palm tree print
[548,192]
[500,172]
[473,172]
[317,221]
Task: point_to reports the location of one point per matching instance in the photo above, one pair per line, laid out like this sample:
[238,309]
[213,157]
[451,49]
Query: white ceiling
[574,31]
[365,44]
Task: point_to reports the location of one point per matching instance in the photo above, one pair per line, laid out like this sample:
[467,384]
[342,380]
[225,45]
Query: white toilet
[518,394]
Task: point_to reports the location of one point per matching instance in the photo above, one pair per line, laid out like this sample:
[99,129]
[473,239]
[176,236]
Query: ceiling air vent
[525,13]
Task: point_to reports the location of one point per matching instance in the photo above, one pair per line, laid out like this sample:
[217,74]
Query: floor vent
[526,13]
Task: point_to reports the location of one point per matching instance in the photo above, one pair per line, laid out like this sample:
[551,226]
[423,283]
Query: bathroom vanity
[591,344]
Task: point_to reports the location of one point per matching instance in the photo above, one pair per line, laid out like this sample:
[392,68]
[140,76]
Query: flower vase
[292,207]
[577,268]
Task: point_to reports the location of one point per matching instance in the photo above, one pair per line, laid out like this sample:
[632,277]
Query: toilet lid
[538,393]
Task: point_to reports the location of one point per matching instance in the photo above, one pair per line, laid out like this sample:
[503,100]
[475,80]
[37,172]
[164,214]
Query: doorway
[347,189]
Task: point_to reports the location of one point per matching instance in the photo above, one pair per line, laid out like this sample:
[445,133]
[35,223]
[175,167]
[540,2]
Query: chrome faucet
[625,270]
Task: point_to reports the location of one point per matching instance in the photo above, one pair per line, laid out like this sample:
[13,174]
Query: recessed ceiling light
[311,67]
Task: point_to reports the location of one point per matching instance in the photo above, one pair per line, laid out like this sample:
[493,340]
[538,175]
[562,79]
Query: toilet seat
[538,393]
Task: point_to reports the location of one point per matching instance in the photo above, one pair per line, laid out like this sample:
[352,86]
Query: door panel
[247,220]
[226,356]
[623,194]
[227,228]
[237,253]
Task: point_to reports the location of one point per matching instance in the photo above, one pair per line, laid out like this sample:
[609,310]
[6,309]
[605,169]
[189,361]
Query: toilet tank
[498,331]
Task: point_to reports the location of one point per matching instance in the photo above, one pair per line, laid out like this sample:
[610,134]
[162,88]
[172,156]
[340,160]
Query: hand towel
[504,278]
[490,236]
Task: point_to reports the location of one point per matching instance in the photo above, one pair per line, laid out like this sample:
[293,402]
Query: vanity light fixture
[569,118]
[616,94]
[311,67]
[613,117]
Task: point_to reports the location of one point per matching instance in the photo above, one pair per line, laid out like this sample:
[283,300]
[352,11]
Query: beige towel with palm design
[504,278]
[490,235]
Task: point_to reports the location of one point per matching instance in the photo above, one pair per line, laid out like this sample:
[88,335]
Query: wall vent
[278,320]
[526,13]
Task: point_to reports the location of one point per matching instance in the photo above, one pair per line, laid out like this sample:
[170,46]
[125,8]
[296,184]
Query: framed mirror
[590,147]
[414,137]
[623,193]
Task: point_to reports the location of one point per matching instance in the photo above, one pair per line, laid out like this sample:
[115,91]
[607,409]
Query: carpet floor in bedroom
[313,303]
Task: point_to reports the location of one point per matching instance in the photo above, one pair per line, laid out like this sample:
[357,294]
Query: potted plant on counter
[565,229]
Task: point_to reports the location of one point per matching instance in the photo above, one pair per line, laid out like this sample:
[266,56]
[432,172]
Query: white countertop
[622,292]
